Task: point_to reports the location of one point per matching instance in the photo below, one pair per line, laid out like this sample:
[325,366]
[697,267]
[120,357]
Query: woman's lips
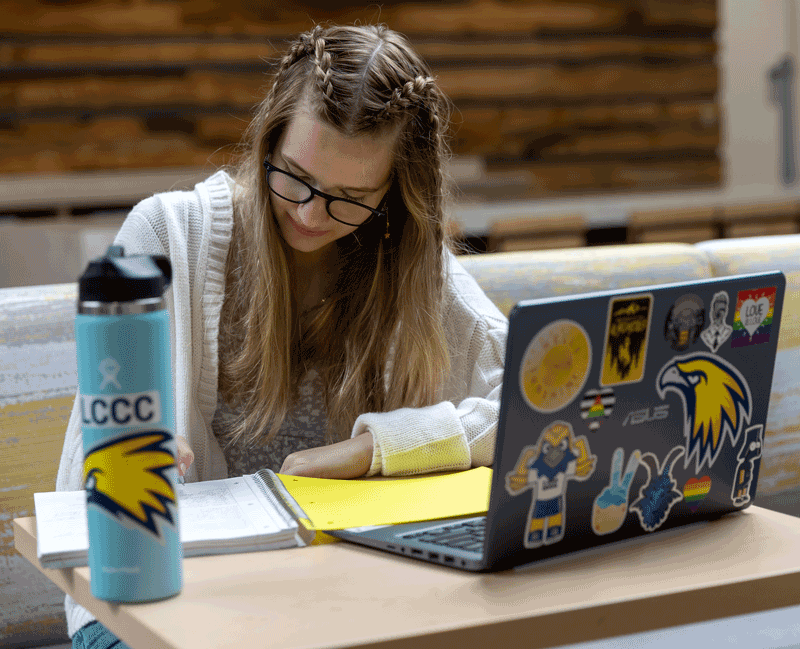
[305,232]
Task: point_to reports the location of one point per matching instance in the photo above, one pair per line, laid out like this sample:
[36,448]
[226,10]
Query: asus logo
[641,416]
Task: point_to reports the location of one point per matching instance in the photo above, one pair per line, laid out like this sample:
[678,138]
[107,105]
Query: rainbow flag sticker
[752,323]
[695,490]
[596,406]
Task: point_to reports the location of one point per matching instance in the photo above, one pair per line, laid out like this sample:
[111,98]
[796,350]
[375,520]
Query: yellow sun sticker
[555,366]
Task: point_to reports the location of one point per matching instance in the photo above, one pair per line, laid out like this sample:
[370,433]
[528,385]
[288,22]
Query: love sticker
[752,321]
[753,313]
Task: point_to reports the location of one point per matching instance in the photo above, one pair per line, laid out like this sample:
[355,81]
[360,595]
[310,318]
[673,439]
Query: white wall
[753,35]
[51,250]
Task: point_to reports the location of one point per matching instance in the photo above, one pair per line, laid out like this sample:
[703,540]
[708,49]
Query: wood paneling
[538,232]
[690,225]
[759,219]
[682,225]
[561,95]
[277,19]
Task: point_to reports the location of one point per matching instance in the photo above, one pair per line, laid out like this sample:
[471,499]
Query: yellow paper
[339,504]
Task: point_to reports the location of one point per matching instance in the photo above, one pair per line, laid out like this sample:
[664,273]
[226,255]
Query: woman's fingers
[342,460]
[185,455]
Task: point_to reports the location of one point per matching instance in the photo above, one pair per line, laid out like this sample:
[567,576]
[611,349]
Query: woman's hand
[185,455]
[348,459]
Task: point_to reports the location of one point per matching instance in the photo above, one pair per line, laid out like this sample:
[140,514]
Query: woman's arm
[457,433]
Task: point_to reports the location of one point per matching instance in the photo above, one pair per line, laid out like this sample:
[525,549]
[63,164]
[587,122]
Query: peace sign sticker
[611,506]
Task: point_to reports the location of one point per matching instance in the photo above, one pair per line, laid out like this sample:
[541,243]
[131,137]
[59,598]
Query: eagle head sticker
[716,403]
[127,478]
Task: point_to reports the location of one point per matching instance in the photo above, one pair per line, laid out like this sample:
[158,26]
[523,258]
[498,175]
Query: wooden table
[342,595]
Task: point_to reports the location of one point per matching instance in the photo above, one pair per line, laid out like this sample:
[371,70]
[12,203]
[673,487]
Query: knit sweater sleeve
[459,431]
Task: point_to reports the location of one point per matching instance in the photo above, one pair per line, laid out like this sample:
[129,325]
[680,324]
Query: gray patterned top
[304,427]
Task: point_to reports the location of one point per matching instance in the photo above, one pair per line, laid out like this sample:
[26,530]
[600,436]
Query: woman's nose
[313,212]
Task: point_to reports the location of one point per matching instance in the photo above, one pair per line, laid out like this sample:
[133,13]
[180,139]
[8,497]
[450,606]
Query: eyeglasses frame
[329,198]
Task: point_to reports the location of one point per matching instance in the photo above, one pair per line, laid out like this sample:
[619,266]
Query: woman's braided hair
[354,104]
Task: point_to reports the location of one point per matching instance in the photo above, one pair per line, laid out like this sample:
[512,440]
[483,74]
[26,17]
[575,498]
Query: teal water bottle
[122,338]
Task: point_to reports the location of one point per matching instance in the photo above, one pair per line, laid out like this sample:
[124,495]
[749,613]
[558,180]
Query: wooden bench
[538,232]
[679,225]
[760,219]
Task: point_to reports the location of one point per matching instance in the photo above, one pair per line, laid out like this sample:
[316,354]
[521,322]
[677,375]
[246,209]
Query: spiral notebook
[266,511]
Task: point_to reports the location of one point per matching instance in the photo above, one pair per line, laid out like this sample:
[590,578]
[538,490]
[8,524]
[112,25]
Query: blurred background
[582,122]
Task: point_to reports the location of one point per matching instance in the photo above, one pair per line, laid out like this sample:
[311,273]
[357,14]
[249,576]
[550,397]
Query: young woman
[321,324]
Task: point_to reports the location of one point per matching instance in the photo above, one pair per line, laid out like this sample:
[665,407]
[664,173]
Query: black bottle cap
[117,278]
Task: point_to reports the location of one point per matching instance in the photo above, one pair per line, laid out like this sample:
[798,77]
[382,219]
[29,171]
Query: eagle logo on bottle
[127,478]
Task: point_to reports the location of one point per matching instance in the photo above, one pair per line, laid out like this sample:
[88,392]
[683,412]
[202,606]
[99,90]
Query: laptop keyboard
[463,535]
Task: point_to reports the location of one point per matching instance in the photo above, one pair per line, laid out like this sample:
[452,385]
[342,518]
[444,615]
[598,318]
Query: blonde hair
[378,341]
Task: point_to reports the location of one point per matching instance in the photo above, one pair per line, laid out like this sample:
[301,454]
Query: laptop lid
[628,412]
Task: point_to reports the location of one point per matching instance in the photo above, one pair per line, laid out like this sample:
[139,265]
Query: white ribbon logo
[109,368]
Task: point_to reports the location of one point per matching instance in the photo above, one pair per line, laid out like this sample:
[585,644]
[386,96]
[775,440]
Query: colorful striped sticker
[596,406]
[695,490]
[752,323]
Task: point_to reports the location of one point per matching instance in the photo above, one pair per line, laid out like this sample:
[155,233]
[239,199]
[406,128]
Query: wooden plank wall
[555,95]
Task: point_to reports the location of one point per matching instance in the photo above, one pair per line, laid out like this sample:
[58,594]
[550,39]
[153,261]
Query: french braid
[412,93]
[420,93]
[302,47]
[322,64]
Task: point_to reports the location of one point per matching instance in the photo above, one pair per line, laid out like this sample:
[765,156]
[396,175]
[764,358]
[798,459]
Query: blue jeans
[95,636]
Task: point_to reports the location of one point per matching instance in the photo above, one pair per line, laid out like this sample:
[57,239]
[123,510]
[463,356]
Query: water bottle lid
[117,278]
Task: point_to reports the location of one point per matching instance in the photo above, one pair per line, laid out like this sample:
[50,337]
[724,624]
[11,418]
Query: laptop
[623,413]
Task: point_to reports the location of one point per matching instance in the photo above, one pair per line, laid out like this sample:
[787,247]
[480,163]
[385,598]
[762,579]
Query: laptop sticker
[625,349]
[659,493]
[718,331]
[695,490]
[546,469]
[685,319]
[555,366]
[596,406]
[611,506]
[750,452]
[716,403]
[753,320]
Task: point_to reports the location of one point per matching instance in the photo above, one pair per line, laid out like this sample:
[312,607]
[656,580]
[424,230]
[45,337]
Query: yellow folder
[339,504]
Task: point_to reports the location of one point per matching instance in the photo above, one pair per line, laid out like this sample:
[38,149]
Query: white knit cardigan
[193,229]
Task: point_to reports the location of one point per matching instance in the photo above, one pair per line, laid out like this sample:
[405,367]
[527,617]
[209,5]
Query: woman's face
[357,168]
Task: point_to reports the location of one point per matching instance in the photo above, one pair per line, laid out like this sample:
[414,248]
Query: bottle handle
[165,266]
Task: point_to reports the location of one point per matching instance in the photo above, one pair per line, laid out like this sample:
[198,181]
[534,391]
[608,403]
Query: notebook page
[218,511]
[224,509]
[65,528]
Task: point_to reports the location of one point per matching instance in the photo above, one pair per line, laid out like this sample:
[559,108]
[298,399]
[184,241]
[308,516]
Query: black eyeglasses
[289,187]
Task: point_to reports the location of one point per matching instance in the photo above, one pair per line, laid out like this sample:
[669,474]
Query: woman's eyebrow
[292,163]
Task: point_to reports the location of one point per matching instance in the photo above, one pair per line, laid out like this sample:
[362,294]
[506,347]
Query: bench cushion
[38,381]
[509,277]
